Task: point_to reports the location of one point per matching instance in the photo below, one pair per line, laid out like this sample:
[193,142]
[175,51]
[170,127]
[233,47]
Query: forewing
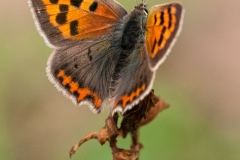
[163,26]
[63,22]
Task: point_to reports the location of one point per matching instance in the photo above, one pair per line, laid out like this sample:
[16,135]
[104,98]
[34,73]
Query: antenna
[145,2]
[136,2]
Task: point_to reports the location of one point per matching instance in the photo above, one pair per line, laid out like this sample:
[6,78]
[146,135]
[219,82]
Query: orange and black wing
[163,26]
[81,31]
[61,22]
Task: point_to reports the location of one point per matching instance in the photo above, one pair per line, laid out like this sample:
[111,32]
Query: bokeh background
[200,80]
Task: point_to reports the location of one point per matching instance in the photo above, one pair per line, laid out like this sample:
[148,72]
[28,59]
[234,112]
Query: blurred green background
[200,80]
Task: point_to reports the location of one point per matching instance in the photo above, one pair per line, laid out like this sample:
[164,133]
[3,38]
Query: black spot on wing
[164,29]
[155,19]
[67,87]
[170,18]
[76,94]
[154,45]
[76,3]
[162,18]
[89,55]
[162,36]
[89,98]
[75,66]
[74,79]
[61,18]
[54,1]
[170,21]
[74,28]
[63,7]
[160,40]
[93,6]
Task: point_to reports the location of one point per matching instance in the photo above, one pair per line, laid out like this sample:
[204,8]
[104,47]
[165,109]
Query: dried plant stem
[140,115]
[93,135]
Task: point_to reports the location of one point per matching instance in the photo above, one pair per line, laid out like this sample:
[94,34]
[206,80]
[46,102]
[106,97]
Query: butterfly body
[133,29]
[104,55]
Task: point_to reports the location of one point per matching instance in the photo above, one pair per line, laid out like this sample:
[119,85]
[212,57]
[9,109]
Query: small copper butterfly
[102,54]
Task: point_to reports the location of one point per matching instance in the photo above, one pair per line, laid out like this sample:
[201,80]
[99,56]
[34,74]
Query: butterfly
[104,56]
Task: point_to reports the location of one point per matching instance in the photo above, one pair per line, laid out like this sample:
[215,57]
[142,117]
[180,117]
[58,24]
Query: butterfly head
[142,7]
